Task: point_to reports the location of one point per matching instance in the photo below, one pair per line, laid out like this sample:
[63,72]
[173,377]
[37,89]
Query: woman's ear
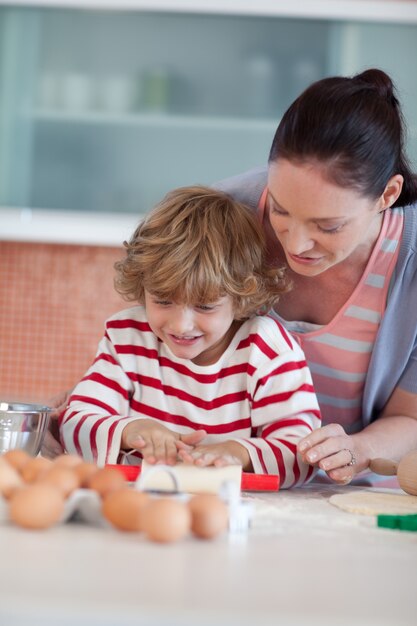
[391,192]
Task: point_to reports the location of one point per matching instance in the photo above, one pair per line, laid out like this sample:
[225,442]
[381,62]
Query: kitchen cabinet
[106,106]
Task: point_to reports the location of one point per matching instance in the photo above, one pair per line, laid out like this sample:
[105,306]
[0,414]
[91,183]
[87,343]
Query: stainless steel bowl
[23,426]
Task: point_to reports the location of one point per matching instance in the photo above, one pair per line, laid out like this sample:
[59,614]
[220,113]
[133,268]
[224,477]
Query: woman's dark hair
[355,127]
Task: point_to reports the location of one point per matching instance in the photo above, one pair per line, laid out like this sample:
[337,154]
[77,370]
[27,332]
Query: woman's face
[318,223]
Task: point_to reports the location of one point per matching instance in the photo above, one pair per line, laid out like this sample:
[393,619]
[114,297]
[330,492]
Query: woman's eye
[330,230]
[275,211]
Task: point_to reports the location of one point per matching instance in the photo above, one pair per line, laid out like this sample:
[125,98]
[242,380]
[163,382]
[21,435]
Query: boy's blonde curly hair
[196,246]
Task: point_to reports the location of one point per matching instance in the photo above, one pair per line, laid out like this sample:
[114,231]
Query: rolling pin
[405,470]
[249,481]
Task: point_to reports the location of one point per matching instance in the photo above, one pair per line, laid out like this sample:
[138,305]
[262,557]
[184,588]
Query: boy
[194,373]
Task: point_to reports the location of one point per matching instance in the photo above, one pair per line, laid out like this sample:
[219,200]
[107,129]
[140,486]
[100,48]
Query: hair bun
[378,80]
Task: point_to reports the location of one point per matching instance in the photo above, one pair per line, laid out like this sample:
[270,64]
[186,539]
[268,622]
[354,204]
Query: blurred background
[105,106]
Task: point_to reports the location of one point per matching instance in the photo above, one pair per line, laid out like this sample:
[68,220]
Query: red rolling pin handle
[259,482]
[250,482]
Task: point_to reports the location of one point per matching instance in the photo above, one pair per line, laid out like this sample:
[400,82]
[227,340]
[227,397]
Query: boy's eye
[162,302]
[205,307]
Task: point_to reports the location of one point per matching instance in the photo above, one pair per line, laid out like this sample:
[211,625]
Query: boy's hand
[51,445]
[157,443]
[216,454]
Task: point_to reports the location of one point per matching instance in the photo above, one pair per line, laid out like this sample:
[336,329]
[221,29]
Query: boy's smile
[200,333]
[185,341]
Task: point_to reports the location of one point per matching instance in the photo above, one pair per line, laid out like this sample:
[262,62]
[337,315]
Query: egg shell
[124,509]
[17,458]
[407,473]
[64,478]
[36,506]
[35,468]
[209,516]
[67,460]
[84,472]
[10,479]
[106,480]
[166,520]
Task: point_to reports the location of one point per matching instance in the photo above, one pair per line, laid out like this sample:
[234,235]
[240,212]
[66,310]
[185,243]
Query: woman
[336,204]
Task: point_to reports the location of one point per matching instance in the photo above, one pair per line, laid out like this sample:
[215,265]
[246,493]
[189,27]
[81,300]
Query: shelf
[245,124]
[393,11]
[160,120]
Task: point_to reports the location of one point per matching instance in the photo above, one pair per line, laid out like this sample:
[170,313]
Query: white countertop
[303,562]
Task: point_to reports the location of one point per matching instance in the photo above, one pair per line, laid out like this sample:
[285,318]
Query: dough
[375,503]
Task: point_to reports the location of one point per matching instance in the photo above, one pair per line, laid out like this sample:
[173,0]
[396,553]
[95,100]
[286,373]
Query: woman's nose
[298,240]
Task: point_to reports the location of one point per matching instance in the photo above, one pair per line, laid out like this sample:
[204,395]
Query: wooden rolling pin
[405,470]
[249,481]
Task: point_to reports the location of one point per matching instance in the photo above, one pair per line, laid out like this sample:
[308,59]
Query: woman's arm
[394,433]
[391,436]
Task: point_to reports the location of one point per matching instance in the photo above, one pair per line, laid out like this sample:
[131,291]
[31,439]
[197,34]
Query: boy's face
[198,333]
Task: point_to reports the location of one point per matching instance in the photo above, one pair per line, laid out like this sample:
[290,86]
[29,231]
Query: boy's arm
[284,410]
[98,422]
[98,409]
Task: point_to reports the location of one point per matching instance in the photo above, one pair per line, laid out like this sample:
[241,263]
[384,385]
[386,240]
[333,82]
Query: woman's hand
[51,446]
[157,443]
[216,454]
[333,451]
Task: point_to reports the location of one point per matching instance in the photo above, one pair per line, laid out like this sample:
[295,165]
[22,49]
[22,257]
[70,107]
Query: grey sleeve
[247,187]
[408,380]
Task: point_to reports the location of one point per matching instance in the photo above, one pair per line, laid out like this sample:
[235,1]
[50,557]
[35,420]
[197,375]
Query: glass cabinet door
[106,111]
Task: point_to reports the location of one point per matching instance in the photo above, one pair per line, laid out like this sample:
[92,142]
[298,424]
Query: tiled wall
[54,300]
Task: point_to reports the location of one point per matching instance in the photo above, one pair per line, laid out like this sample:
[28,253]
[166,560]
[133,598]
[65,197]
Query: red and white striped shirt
[259,393]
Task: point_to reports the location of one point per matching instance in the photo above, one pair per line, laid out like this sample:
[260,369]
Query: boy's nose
[182,321]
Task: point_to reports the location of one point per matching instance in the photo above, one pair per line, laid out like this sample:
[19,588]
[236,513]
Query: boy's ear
[391,192]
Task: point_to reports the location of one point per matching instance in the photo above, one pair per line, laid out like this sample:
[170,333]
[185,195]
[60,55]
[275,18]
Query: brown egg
[36,506]
[10,479]
[106,480]
[68,460]
[34,468]
[407,473]
[209,516]
[166,520]
[124,508]
[64,478]
[17,458]
[84,472]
